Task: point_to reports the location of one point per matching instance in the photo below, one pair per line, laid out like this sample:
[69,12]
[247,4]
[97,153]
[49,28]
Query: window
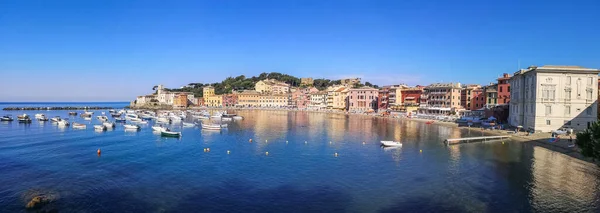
[567,110]
[568,94]
[568,80]
[500,89]
[548,93]
[508,89]
[547,122]
[548,110]
[590,81]
[589,95]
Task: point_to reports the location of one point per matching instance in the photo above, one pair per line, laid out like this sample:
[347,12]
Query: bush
[589,141]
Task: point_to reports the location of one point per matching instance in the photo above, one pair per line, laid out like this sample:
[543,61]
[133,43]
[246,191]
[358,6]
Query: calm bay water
[142,172]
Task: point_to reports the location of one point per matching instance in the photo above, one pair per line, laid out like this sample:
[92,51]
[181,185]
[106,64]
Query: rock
[36,202]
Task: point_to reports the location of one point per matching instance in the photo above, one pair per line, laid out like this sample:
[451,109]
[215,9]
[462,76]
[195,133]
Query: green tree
[589,141]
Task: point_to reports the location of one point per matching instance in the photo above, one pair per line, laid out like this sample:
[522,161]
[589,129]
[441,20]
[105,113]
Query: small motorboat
[142,122]
[391,144]
[237,117]
[79,126]
[6,118]
[86,114]
[226,119]
[109,125]
[102,118]
[135,119]
[24,118]
[130,126]
[39,115]
[163,120]
[120,120]
[158,128]
[115,115]
[169,133]
[186,124]
[56,119]
[73,113]
[223,125]
[42,118]
[111,111]
[87,118]
[99,127]
[63,123]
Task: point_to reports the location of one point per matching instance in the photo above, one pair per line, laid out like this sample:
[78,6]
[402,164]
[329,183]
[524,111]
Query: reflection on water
[141,171]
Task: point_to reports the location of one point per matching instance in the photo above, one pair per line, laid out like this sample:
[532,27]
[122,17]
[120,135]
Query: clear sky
[113,50]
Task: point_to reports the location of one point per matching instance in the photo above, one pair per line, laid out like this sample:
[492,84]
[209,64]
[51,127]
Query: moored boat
[24,118]
[56,119]
[39,115]
[115,115]
[100,127]
[120,120]
[109,125]
[73,113]
[158,128]
[237,117]
[130,126]
[102,118]
[391,143]
[62,122]
[6,118]
[42,118]
[168,133]
[211,126]
[79,126]
[186,124]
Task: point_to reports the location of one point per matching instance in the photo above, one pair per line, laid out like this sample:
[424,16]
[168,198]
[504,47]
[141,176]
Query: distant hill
[243,83]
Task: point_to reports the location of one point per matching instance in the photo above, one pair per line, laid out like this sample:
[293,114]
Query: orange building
[504,89]
[180,100]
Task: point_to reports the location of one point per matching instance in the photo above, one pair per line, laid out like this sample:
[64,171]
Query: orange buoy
[99,152]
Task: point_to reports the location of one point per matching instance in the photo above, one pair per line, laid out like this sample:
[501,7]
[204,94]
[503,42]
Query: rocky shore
[55,108]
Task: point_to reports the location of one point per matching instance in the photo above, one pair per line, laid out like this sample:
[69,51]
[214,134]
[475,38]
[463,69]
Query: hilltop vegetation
[243,83]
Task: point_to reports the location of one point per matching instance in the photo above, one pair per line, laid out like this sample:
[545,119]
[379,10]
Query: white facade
[553,97]
[318,100]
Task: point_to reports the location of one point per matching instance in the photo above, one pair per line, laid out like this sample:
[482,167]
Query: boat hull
[170,134]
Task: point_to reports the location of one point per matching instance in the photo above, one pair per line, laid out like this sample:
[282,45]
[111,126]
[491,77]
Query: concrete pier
[474,139]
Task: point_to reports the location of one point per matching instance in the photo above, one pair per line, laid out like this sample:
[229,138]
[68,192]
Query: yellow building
[273,101]
[213,101]
[208,91]
[248,98]
[336,97]
[270,86]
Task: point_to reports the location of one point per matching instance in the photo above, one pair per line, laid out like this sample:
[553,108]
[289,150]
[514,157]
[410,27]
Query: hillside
[243,83]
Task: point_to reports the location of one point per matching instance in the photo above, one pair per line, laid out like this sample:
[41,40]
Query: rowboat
[129,126]
[79,126]
[186,124]
[391,143]
[99,127]
[211,126]
[167,133]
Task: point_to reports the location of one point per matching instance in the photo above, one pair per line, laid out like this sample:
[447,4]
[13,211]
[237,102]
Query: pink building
[362,99]
[300,99]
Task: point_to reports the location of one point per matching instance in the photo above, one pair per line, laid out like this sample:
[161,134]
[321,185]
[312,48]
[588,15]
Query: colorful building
[318,100]
[180,100]
[300,99]
[472,97]
[408,98]
[273,100]
[336,97]
[441,98]
[230,100]
[491,95]
[248,98]
[362,99]
[271,86]
[504,89]
[383,99]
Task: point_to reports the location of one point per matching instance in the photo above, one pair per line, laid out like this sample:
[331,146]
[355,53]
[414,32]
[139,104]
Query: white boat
[100,127]
[217,115]
[87,118]
[109,125]
[186,124]
[63,123]
[102,118]
[226,119]
[168,133]
[224,125]
[158,128]
[79,126]
[175,118]
[135,120]
[211,126]
[42,118]
[56,119]
[129,126]
[131,115]
[237,117]
[391,143]
[40,115]
[163,120]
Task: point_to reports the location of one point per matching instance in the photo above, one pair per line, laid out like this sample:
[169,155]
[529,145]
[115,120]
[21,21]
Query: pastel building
[362,99]
[230,100]
[336,97]
[441,98]
[271,86]
[318,100]
[551,97]
[472,97]
[504,89]
[273,100]
[248,98]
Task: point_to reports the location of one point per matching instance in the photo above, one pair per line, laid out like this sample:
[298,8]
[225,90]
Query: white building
[318,100]
[552,97]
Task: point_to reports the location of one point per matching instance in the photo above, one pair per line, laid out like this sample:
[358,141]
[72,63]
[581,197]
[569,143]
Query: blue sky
[114,50]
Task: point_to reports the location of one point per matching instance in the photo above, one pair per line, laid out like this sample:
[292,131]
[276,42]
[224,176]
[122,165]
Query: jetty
[56,108]
[474,139]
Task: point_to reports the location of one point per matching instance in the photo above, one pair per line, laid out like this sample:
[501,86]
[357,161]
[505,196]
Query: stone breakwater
[56,108]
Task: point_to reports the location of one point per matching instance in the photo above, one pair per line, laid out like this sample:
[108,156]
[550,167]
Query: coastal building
[472,97]
[491,95]
[441,98]
[300,99]
[383,99]
[408,99]
[230,100]
[248,98]
[163,96]
[318,100]
[336,97]
[271,86]
[273,100]
[208,91]
[199,101]
[504,89]
[395,95]
[180,100]
[362,99]
[145,99]
[547,98]
[213,101]
[306,81]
